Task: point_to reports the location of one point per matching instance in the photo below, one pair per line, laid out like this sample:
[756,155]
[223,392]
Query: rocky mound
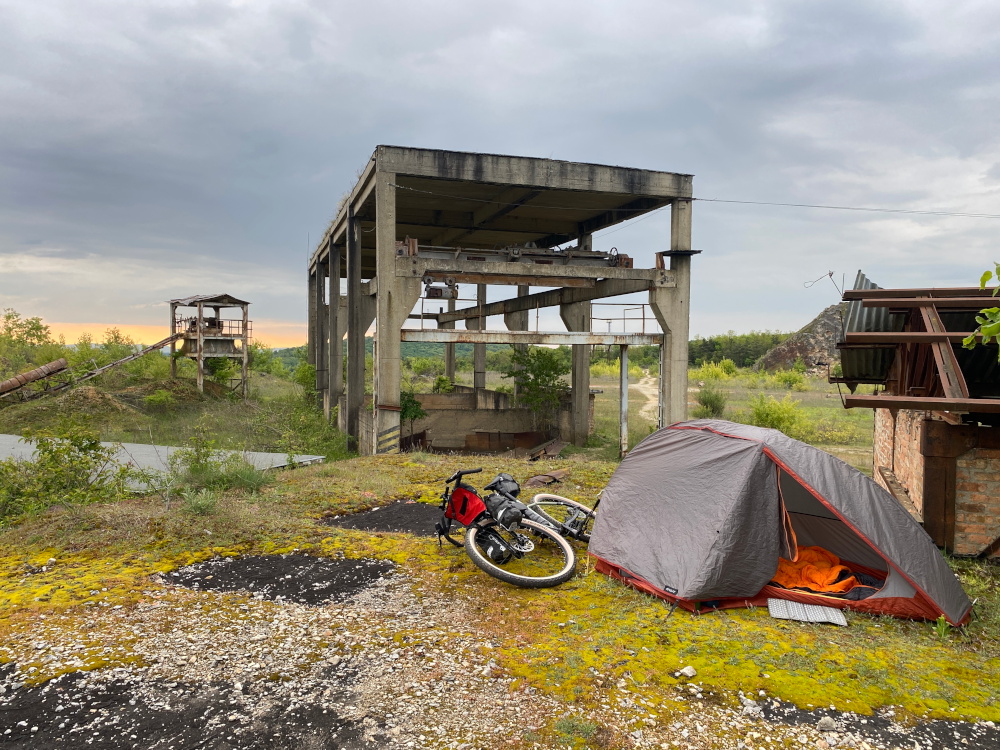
[815,344]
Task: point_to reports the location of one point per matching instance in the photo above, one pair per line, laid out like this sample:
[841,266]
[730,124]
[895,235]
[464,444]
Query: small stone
[826,724]
[689,672]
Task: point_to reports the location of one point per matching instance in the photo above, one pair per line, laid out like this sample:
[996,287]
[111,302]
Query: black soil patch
[298,578]
[409,517]
[73,712]
[931,735]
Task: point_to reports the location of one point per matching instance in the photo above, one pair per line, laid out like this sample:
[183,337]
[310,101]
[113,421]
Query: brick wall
[977,500]
[897,446]
[900,443]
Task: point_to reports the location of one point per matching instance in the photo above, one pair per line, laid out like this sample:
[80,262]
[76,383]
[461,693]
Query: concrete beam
[530,172]
[444,336]
[600,290]
[541,275]
[505,202]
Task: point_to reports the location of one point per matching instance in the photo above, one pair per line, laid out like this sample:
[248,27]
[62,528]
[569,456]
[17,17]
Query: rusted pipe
[19,381]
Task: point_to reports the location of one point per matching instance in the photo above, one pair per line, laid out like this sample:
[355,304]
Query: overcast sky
[152,149]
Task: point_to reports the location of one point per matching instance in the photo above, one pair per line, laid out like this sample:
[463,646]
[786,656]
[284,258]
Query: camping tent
[700,512]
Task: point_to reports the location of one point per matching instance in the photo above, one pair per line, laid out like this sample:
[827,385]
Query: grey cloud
[167,133]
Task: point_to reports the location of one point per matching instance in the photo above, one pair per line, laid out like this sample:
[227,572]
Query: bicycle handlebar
[461,473]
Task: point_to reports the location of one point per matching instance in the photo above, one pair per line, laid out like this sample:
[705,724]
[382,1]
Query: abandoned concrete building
[419,222]
[937,421]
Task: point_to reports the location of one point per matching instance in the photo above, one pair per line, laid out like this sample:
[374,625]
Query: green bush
[789,379]
[711,403]
[785,415]
[442,384]
[709,371]
[160,400]
[70,467]
[728,367]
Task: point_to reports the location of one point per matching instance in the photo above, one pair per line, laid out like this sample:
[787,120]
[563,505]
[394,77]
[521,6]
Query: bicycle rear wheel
[551,561]
[576,518]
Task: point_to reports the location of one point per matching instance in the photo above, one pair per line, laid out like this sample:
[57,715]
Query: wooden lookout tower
[205,334]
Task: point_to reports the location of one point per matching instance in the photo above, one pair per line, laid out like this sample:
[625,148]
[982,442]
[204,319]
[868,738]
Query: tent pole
[623,414]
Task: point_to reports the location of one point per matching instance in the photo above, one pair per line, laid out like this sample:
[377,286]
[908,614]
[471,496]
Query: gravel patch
[298,578]
[404,516]
[379,667]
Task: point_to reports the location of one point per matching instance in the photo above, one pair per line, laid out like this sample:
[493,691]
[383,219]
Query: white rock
[689,672]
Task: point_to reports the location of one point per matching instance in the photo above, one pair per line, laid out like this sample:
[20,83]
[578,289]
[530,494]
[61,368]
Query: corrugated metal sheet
[868,364]
[220,299]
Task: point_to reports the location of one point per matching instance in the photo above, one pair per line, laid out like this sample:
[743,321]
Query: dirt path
[648,387]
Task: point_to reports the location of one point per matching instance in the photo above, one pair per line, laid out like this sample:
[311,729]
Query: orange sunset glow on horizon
[273,333]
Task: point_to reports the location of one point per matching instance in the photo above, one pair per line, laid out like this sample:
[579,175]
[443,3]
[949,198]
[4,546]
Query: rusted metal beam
[976,303]
[968,291]
[540,274]
[447,336]
[510,279]
[964,405]
[551,298]
[903,337]
[948,370]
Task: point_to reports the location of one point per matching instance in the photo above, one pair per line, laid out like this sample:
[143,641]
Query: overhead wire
[866,209]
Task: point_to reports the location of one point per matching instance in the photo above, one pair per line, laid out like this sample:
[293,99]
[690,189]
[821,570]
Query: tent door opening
[815,525]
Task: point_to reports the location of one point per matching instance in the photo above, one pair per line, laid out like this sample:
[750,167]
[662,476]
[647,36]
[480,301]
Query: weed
[70,467]
[199,502]
[574,727]
[942,628]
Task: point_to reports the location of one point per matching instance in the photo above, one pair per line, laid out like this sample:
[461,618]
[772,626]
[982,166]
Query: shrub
[538,373]
[728,367]
[160,400]
[442,385]
[709,371]
[70,467]
[789,379]
[785,415]
[711,403]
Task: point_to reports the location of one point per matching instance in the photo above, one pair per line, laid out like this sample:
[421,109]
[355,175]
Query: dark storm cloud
[139,141]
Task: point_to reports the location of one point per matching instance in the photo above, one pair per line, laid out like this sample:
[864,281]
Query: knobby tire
[542,534]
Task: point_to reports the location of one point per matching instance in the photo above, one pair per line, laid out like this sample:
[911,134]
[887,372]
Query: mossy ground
[580,642]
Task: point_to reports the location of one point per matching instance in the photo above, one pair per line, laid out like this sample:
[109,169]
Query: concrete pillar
[449,349]
[479,350]
[201,348]
[395,298]
[311,338]
[576,317]
[245,369]
[173,344]
[357,323]
[335,348]
[518,321]
[322,330]
[672,307]
[623,403]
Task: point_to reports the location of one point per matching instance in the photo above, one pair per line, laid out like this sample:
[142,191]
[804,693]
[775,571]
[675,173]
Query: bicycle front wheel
[576,519]
[551,561]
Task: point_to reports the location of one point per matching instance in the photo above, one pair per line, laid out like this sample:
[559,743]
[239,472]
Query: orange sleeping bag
[815,569]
